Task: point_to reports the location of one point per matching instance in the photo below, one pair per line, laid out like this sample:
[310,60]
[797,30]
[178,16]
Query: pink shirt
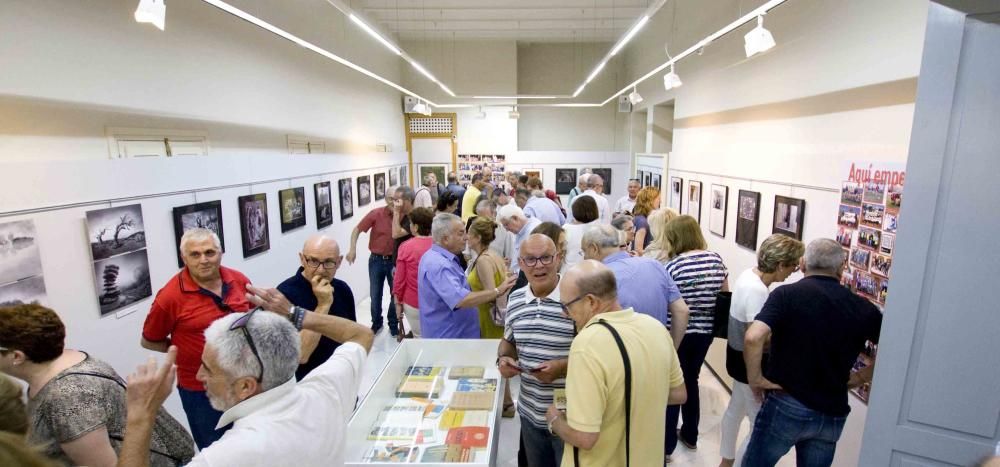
[404,281]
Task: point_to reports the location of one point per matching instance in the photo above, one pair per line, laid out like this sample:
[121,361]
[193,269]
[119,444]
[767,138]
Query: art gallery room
[285,127]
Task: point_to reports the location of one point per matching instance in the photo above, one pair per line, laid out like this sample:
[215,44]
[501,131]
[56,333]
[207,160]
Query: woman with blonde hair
[659,248]
[486,273]
[646,202]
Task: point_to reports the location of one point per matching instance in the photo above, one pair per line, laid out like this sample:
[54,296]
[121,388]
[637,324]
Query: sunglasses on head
[241,324]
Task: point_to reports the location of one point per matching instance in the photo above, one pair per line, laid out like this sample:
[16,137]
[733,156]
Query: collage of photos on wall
[491,166]
[866,228]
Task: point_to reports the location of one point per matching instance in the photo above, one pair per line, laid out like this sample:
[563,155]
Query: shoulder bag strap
[628,394]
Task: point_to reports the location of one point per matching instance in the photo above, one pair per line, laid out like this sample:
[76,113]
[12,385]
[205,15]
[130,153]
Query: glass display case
[437,402]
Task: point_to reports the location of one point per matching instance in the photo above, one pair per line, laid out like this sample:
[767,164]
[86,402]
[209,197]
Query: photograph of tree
[118,239]
[20,264]
[122,280]
[207,215]
[254,224]
[115,231]
[292,202]
[324,204]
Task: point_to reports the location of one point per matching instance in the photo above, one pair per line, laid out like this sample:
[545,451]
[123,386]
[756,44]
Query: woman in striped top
[700,275]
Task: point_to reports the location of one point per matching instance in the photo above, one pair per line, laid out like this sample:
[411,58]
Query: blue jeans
[691,354]
[784,422]
[541,448]
[201,417]
[379,271]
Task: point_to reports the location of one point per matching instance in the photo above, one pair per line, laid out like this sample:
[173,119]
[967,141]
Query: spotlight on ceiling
[514,114]
[420,108]
[634,96]
[758,39]
[671,80]
[151,11]
[482,113]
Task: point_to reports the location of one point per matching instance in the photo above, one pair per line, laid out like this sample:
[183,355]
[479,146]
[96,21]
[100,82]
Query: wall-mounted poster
[393,176]
[605,173]
[346,189]
[364,190]
[718,210]
[491,166]
[676,193]
[324,204]
[379,179]
[874,192]
[565,181]
[694,200]
[254,224]
[292,203]
[438,171]
[788,216]
[20,264]
[534,174]
[207,215]
[118,249]
[747,219]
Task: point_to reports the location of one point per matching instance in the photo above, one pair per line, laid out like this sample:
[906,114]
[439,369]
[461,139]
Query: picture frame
[439,171]
[747,219]
[345,187]
[254,229]
[849,216]
[655,181]
[324,204]
[115,231]
[206,215]
[718,210]
[676,193]
[534,174]
[120,261]
[292,204]
[565,180]
[605,173]
[364,190]
[694,200]
[404,176]
[851,193]
[379,181]
[789,214]
[393,176]
[872,214]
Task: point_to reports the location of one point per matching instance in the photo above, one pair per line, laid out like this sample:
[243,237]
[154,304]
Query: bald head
[320,256]
[538,244]
[540,263]
[593,277]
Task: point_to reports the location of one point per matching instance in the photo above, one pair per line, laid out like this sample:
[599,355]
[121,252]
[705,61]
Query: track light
[423,71]
[634,96]
[671,80]
[151,11]
[445,89]
[420,108]
[593,74]
[758,39]
[514,114]
[374,34]
[482,113]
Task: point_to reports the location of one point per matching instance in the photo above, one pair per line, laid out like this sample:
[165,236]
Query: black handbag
[720,320]
[628,394]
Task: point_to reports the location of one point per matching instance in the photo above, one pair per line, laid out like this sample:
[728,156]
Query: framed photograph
[534,174]
[254,224]
[872,214]
[849,216]
[206,215]
[719,209]
[565,181]
[845,236]
[364,190]
[21,278]
[859,258]
[122,280]
[866,284]
[24,291]
[293,208]
[887,243]
[346,188]
[881,264]
[115,231]
[694,200]
[874,193]
[404,178]
[655,181]
[439,171]
[324,204]
[890,221]
[894,198]
[788,216]
[605,173]
[869,238]
[394,176]
[676,193]
[850,193]
[379,179]
[747,219]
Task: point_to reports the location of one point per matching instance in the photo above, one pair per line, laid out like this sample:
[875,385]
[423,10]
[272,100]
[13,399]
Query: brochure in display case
[437,402]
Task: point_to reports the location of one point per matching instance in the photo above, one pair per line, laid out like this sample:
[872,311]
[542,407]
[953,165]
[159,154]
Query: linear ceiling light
[445,89]
[635,30]
[758,40]
[374,34]
[515,97]
[593,74]
[151,11]
[579,89]
[423,70]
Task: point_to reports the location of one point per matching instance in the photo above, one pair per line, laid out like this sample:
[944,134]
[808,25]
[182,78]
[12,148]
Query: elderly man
[513,219]
[447,303]
[595,188]
[248,367]
[503,241]
[626,203]
[471,197]
[202,292]
[643,284]
[539,206]
[313,287]
[502,198]
[622,373]
[539,357]
[581,186]
[390,227]
[816,329]
[427,194]
[459,191]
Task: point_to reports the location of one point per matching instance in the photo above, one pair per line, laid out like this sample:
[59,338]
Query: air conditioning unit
[624,106]
[409,102]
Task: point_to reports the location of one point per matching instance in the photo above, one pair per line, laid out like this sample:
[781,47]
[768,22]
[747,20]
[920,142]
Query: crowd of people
[613,303]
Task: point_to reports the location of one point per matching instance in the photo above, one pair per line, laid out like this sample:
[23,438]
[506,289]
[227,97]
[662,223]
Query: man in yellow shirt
[472,197]
[594,425]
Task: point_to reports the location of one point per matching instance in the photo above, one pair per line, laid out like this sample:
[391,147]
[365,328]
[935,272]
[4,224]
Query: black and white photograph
[23,292]
[718,210]
[403,176]
[565,181]
[694,200]
[747,219]
[872,214]
[346,188]
[207,215]
[676,193]
[788,216]
[324,204]
[605,173]
[888,241]
[850,193]
[654,181]
[292,202]
[254,224]
[115,231]
[394,176]
[379,179]
[365,190]
[122,280]
[19,253]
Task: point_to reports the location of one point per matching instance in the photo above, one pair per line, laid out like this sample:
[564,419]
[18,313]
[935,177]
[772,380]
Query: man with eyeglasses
[202,292]
[313,287]
[248,367]
[536,343]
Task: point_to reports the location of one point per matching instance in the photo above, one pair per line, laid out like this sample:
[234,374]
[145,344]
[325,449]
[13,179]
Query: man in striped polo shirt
[537,338]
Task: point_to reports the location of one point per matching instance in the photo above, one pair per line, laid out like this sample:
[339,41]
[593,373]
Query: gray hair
[604,236]
[441,225]
[619,221]
[509,211]
[824,255]
[199,235]
[584,178]
[275,338]
[429,178]
[593,180]
[484,204]
[405,192]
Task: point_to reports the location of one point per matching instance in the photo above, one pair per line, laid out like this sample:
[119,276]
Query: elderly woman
[659,248]
[76,403]
[404,280]
[777,258]
[646,202]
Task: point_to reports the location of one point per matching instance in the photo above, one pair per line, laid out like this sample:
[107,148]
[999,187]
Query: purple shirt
[441,285]
[544,209]
[643,284]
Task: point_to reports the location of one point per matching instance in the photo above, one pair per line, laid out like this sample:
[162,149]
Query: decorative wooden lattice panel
[430,125]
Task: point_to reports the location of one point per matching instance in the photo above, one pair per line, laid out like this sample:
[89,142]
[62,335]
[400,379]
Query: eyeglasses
[565,306]
[241,324]
[327,264]
[531,261]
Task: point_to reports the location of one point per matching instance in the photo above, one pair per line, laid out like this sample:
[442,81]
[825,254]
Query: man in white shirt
[595,188]
[426,195]
[581,186]
[513,219]
[248,368]
[627,203]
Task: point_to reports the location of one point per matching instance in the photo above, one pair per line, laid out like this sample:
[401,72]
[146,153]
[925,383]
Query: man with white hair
[202,292]
[447,303]
[581,186]
[426,195]
[595,189]
[248,367]
[626,203]
[313,287]
[816,329]
[513,219]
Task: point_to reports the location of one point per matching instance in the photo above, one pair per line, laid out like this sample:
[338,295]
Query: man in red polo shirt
[189,302]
